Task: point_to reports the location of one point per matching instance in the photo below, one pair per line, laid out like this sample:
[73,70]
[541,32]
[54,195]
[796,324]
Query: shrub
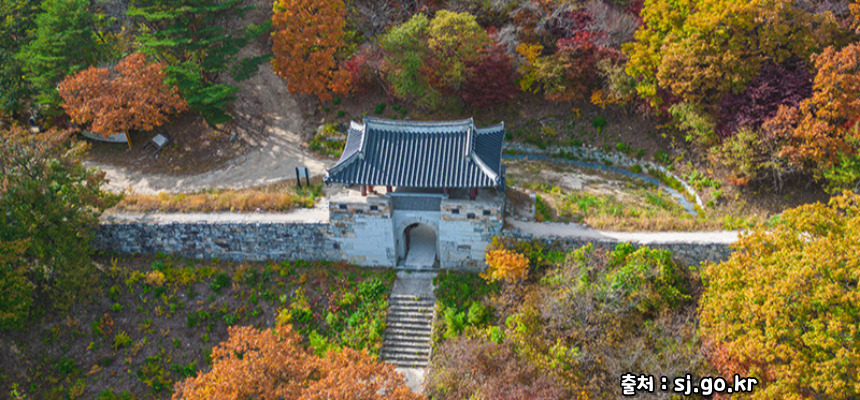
[220,281]
[506,265]
[542,209]
[379,109]
[598,123]
[455,322]
[699,126]
[121,340]
[477,314]
[466,368]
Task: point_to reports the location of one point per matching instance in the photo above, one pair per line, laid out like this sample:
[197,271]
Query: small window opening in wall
[359,211]
[487,213]
[470,215]
[455,211]
[464,247]
[374,208]
[341,206]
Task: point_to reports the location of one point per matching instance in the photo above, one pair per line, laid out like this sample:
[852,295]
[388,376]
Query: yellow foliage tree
[785,307]
[507,265]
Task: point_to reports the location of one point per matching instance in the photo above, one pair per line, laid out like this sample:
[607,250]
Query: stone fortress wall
[362,233]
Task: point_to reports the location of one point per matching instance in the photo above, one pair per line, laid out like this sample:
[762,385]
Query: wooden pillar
[473,193]
[446,190]
[364,190]
[388,189]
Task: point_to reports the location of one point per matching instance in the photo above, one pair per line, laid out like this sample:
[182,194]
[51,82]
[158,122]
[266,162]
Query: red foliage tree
[775,85]
[491,80]
[130,96]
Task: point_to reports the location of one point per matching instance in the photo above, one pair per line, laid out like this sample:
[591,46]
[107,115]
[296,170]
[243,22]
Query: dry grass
[273,198]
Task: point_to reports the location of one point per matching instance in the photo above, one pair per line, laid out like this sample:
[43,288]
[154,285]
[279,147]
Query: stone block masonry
[225,236]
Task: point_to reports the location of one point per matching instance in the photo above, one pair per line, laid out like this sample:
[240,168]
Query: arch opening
[419,246]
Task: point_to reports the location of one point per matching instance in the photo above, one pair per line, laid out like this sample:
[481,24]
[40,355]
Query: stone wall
[691,253]
[362,230]
[237,241]
[365,238]
[466,228]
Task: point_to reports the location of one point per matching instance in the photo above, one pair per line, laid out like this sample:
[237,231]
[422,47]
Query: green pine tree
[19,18]
[190,35]
[65,41]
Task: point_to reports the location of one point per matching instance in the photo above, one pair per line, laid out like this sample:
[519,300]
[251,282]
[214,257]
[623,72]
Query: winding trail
[276,149]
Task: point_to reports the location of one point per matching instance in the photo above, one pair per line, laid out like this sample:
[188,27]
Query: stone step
[410,307]
[413,315]
[409,364]
[416,352]
[396,322]
[399,310]
[400,337]
[407,303]
[411,296]
[395,298]
[418,326]
[396,358]
[409,332]
[406,344]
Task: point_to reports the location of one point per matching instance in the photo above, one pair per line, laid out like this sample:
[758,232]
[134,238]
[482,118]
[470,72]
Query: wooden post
[473,193]
[388,189]
[298,178]
[446,190]
[364,190]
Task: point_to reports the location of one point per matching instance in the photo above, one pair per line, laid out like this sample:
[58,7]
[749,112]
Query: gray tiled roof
[453,154]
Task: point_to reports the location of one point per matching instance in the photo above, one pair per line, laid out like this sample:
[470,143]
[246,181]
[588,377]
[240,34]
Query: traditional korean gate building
[418,194]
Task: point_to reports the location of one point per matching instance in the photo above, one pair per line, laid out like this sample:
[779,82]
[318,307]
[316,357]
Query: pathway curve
[277,149]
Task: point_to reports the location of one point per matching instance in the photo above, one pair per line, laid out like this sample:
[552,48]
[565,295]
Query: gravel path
[277,149]
[554,229]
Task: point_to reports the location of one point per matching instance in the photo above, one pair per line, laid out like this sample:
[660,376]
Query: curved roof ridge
[491,128]
[406,123]
[487,170]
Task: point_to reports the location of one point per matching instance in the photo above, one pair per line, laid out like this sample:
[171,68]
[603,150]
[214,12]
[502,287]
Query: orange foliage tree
[272,365]
[307,40]
[130,96]
[507,265]
[821,128]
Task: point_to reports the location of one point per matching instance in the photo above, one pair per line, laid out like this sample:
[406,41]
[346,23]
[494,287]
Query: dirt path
[277,146]
[552,229]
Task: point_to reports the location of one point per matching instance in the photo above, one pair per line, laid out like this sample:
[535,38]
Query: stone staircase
[409,326]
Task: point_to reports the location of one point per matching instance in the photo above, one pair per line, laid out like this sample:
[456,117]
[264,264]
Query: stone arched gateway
[421,244]
[417,242]
[446,175]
